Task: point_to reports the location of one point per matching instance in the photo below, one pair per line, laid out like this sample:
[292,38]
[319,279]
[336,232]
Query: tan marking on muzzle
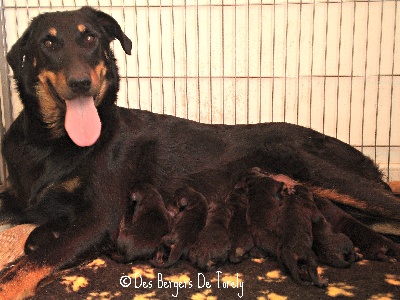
[98,76]
[50,107]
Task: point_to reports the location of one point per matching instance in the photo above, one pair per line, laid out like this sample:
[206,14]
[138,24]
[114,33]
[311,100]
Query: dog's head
[65,71]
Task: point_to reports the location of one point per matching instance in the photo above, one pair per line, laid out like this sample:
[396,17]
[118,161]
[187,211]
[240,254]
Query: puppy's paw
[302,266]
[381,248]
[212,247]
[336,250]
[240,248]
[169,251]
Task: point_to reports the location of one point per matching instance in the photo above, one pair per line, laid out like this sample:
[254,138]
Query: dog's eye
[48,44]
[90,40]
[51,45]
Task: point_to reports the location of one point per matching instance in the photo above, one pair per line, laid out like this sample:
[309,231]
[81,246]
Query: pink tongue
[82,122]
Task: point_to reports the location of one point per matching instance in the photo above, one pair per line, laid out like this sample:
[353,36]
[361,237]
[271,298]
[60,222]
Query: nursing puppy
[333,249]
[239,227]
[263,194]
[145,223]
[215,234]
[370,244]
[187,224]
[297,214]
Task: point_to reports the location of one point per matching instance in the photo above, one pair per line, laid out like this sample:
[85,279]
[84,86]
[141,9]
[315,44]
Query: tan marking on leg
[337,197]
[370,207]
[21,281]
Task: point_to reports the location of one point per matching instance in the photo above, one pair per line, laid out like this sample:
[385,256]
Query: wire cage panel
[330,65]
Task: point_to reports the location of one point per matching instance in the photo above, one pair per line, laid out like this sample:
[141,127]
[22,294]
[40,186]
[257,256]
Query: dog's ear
[111,27]
[16,56]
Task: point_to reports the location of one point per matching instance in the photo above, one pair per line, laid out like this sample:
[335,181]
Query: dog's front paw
[212,247]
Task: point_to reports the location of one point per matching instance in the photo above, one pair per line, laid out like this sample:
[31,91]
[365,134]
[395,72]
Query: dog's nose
[79,85]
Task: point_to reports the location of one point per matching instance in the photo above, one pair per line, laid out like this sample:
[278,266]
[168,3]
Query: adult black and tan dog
[73,156]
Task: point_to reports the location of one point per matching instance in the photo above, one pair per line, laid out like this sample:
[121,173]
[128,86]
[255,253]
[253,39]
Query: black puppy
[187,224]
[146,221]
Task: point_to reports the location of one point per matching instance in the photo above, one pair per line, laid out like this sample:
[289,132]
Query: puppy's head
[65,71]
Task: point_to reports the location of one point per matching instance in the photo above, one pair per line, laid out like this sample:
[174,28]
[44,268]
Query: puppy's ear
[111,27]
[16,56]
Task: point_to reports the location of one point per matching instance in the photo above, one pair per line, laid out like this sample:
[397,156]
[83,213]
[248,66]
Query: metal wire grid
[330,65]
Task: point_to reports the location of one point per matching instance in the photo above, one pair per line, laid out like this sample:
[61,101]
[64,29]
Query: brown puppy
[145,223]
[297,214]
[371,245]
[187,224]
[333,249]
[239,228]
[263,193]
[215,233]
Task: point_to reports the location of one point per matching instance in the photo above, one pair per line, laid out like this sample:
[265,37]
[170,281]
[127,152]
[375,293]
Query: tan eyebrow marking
[53,31]
[81,27]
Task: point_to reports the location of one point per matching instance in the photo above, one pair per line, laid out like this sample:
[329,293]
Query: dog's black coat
[51,178]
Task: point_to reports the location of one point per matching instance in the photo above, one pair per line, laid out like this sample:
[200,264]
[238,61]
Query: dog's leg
[350,189]
[372,245]
[21,280]
[356,183]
